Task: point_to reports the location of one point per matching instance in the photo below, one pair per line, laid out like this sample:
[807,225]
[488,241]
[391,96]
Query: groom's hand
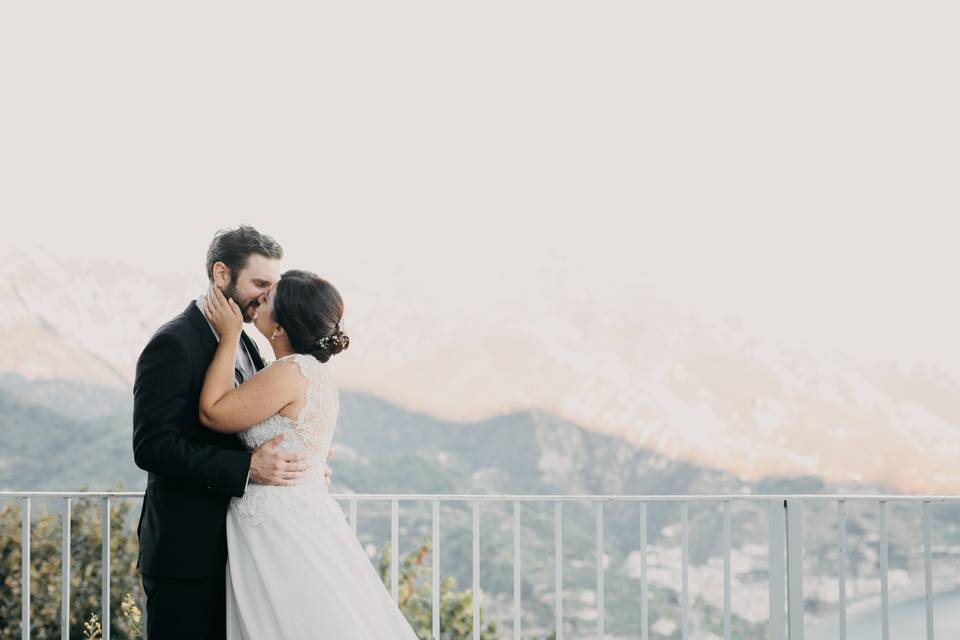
[328,472]
[269,465]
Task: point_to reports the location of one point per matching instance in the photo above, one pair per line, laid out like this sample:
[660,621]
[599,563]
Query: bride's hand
[223,314]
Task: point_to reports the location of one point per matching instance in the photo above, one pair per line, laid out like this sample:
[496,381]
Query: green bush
[85,574]
[415,598]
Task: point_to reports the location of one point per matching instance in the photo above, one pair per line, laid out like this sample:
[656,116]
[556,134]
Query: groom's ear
[221,274]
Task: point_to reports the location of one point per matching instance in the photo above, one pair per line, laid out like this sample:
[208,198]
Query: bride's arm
[234,410]
[227,409]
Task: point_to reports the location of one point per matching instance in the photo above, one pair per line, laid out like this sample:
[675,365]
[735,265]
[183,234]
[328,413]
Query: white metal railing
[785,560]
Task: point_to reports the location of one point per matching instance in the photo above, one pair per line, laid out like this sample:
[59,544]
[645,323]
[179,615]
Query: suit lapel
[252,350]
[200,323]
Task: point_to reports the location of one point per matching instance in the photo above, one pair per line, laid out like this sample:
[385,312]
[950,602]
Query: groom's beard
[248,308]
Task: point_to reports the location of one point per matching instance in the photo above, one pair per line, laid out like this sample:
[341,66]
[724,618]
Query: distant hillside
[47,449]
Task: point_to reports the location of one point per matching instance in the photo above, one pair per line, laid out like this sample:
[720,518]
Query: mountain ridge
[700,390]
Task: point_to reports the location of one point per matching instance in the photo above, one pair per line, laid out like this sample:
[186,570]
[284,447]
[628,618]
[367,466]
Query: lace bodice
[311,433]
[313,430]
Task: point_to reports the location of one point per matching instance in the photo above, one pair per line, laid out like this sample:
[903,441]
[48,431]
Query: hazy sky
[795,165]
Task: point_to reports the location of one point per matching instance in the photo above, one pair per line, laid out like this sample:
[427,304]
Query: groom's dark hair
[233,247]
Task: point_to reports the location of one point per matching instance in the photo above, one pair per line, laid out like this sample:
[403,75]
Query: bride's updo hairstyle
[309,309]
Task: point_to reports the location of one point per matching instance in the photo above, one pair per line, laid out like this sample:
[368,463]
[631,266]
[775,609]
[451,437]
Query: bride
[295,568]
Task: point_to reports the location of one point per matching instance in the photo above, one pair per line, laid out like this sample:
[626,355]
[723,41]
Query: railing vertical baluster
[25,570]
[684,568]
[435,571]
[842,569]
[476,571]
[395,550]
[105,577]
[777,535]
[644,605]
[65,573]
[726,571]
[353,516]
[600,611]
[795,568]
[884,574]
[558,567]
[517,608]
[928,567]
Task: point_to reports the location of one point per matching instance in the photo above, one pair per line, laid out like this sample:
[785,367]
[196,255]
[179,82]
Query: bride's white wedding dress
[295,568]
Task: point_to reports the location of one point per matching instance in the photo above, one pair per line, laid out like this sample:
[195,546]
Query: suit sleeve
[161,395]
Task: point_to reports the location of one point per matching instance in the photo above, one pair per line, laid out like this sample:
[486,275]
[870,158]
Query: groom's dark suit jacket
[193,471]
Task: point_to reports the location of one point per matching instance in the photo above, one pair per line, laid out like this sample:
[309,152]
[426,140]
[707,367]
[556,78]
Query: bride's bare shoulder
[268,392]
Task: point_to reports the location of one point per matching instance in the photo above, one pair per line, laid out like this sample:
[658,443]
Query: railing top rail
[542,497]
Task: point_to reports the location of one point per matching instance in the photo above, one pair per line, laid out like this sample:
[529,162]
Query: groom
[193,471]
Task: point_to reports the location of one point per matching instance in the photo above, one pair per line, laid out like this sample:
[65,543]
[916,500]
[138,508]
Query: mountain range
[626,363]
